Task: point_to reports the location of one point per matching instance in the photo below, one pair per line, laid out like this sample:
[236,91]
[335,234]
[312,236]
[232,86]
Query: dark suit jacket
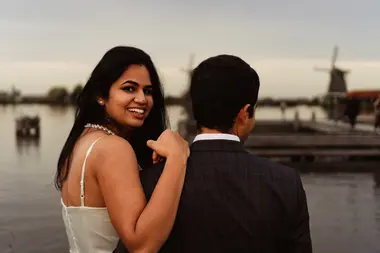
[233,201]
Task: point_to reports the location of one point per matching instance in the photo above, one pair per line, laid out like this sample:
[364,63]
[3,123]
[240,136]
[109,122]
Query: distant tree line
[61,95]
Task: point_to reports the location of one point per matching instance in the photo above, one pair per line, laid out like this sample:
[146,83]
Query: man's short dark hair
[220,87]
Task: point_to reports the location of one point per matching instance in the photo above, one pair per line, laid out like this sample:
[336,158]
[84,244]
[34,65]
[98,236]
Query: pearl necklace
[96,126]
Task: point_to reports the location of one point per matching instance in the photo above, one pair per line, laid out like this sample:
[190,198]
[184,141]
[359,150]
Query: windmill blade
[190,65]
[191,62]
[334,57]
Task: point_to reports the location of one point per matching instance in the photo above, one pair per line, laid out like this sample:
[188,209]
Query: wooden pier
[310,142]
[332,127]
[312,147]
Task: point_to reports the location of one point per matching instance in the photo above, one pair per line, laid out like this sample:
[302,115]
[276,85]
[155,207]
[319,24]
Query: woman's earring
[101,102]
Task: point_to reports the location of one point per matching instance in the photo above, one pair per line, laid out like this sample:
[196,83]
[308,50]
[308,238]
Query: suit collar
[216,136]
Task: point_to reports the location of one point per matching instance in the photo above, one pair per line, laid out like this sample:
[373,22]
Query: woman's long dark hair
[109,69]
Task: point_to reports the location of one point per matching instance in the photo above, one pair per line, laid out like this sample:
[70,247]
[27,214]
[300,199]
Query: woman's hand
[169,145]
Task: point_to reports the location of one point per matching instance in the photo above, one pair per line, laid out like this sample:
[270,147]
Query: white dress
[89,229]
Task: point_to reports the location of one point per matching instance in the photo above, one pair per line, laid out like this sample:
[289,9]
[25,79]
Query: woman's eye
[148,92]
[129,89]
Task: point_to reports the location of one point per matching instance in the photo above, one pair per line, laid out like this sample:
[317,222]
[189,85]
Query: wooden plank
[326,128]
[315,152]
[332,127]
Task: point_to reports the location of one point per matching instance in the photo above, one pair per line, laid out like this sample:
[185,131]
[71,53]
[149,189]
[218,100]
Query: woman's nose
[140,97]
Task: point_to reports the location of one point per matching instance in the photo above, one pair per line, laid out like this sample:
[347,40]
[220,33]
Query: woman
[376,105]
[119,113]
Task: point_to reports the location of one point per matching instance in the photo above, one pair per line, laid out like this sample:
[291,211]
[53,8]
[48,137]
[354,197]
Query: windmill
[186,97]
[337,82]
[190,66]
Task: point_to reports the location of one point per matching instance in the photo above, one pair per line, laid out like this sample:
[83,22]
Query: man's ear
[244,114]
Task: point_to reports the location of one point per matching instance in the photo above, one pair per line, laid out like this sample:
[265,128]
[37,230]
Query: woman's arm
[142,227]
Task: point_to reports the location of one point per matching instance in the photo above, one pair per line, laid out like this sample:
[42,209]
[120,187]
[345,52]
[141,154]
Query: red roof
[363,93]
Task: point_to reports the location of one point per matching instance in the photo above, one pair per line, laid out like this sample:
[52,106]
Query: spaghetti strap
[83,169]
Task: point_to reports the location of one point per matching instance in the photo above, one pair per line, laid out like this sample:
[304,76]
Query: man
[352,110]
[232,201]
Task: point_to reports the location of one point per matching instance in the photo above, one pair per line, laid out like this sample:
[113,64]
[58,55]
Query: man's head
[224,91]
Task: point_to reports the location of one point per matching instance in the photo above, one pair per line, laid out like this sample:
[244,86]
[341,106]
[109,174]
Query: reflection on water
[344,207]
[27,146]
[345,212]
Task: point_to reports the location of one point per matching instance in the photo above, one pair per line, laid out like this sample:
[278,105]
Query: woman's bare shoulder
[112,145]
[113,151]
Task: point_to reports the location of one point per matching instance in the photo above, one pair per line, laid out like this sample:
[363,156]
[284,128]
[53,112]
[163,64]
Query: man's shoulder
[249,163]
[271,167]
[284,180]
[253,165]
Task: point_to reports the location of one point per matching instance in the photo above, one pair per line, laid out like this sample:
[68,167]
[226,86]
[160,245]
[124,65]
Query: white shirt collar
[216,136]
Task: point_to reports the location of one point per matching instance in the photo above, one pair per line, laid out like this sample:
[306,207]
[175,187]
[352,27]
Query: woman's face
[130,97]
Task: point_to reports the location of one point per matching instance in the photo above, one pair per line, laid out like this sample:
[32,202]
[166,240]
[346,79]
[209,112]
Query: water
[344,208]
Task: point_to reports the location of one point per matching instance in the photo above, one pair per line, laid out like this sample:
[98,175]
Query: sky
[45,43]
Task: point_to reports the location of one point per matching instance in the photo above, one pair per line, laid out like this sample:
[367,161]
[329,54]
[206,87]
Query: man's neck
[205,130]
